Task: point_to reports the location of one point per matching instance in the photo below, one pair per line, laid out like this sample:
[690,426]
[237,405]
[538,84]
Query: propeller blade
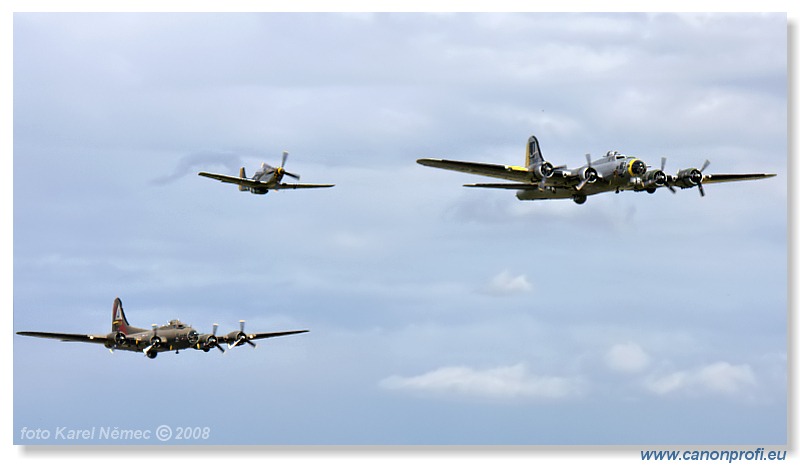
[235,343]
[667,183]
[283,159]
[700,187]
[296,177]
[251,343]
[705,165]
[585,180]
[216,342]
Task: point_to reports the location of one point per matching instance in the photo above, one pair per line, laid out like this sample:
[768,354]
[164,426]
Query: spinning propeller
[546,169]
[687,178]
[279,170]
[666,182]
[155,341]
[590,174]
[697,177]
[240,337]
[212,341]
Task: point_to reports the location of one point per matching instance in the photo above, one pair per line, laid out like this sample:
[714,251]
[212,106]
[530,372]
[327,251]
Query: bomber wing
[507,186]
[234,339]
[294,186]
[235,180]
[508,172]
[720,178]
[265,335]
[64,337]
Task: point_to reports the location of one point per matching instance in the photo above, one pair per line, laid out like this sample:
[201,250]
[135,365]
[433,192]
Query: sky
[438,314]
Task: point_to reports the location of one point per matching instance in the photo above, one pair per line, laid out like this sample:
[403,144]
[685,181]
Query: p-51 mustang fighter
[265,179]
[173,336]
[616,172]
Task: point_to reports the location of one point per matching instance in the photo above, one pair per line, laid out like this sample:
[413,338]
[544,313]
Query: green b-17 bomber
[616,172]
[174,336]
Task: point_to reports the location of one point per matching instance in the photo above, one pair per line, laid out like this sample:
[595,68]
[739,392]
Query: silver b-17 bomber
[265,179]
[174,336]
[616,172]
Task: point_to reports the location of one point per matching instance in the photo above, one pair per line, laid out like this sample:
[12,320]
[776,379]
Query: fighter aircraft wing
[720,178]
[235,180]
[294,186]
[64,337]
[508,172]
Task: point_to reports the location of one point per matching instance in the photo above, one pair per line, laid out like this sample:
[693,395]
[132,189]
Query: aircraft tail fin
[533,155]
[242,174]
[118,320]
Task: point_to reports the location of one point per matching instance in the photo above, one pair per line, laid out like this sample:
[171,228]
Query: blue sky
[438,314]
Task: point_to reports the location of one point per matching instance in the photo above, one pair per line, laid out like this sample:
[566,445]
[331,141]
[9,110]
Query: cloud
[507,382]
[716,378]
[627,358]
[507,284]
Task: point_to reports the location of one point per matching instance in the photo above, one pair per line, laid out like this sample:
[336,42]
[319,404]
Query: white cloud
[716,378]
[627,358]
[508,382]
[507,284]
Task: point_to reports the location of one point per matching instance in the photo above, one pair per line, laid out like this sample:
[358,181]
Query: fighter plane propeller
[269,170]
[540,179]
[174,336]
[265,179]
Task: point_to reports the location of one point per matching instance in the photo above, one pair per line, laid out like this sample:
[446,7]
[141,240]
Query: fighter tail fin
[118,320]
[242,174]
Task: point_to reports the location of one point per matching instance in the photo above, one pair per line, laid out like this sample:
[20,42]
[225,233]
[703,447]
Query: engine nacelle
[588,174]
[543,170]
[654,179]
[688,178]
[208,340]
[120,339]
[636,167]
[235,335]
[192,337]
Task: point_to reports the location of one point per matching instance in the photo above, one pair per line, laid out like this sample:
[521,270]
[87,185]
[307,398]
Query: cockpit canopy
[615,155]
